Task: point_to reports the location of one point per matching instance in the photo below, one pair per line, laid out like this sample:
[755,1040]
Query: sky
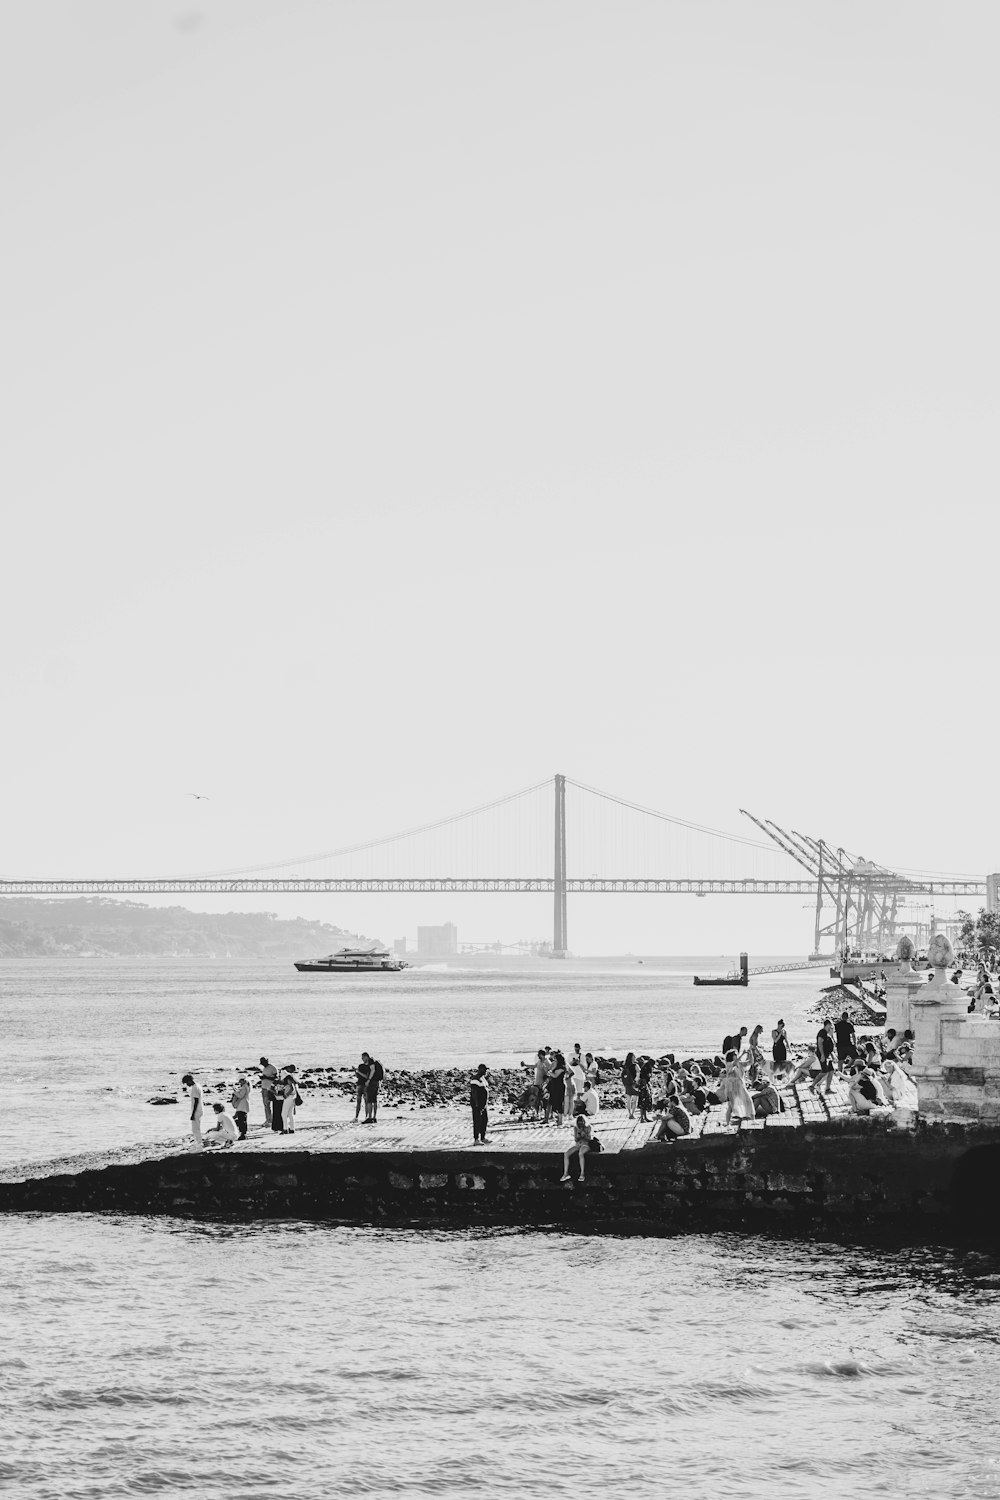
[406,402]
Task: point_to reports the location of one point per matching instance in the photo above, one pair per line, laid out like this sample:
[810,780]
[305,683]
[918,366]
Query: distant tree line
[979,934]
[34,926]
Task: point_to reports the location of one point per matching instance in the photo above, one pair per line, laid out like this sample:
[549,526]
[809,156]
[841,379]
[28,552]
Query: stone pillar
[926,1068]
[901,992]
[902,987]
[938,1004]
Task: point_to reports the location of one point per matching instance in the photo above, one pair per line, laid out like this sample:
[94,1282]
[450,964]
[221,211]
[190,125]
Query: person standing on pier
[629,1084]
[569,1092]
[240,1101]
[268,1079]
[826,1047]
[479,1093]
[193,1091]
[540,1095]
[847,1040]
[735,1042]
[779,1048]
[733,1090]
[645,1086]
[555,1084]
[362,1073]
[371,1092]
[289,1099]
[277,1104]
[578,1074]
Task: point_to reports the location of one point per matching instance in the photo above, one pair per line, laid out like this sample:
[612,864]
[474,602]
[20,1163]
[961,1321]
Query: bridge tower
[559,873]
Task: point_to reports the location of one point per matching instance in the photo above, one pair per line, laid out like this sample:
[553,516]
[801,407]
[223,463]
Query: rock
[165,1099]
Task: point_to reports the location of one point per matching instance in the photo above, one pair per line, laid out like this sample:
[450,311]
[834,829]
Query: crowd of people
[666,1092]
[280,1098]
[751,1084]
[983,993]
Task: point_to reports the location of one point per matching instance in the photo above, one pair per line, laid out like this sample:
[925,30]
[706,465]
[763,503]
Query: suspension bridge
[569,839]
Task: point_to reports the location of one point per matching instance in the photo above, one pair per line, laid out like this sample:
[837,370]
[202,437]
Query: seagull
[198,797]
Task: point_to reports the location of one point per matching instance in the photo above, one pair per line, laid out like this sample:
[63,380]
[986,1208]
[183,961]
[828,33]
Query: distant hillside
[30,926]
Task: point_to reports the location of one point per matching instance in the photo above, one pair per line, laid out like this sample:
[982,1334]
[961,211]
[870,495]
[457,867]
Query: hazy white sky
[404,402]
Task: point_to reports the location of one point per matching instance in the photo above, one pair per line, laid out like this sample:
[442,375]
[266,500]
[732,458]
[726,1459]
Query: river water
[152,1356]
[90,1041]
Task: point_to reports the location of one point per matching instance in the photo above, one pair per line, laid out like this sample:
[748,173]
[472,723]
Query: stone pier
[837,1177]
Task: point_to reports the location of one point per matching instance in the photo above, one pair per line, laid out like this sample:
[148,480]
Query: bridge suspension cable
[389,838]
[651,812]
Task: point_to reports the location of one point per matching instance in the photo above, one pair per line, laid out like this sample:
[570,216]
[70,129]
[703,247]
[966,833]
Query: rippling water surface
[158,1357]
[155,1357]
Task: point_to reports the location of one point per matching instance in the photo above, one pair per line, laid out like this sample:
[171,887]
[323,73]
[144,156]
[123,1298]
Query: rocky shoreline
[417,1088]
[402,1088]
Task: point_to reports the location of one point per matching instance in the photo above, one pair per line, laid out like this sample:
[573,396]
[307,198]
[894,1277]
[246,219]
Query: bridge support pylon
[559,873]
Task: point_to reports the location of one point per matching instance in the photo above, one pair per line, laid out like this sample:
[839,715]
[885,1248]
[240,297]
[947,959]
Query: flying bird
[198,797]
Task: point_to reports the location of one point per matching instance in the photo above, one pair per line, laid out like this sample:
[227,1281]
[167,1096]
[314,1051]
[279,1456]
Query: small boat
[742,978]
[353,961]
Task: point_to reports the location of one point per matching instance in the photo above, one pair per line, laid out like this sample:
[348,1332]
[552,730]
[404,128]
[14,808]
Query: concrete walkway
[450,1129]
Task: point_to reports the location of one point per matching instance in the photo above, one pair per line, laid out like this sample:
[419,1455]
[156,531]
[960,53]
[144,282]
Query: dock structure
[811,1170]
[447,1129]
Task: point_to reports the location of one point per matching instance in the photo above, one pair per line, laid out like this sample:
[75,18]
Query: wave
[850,1367]
[82,1400]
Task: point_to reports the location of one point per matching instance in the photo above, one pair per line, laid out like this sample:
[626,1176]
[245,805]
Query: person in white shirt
[193,1091]
[223,1128]
[589,1098]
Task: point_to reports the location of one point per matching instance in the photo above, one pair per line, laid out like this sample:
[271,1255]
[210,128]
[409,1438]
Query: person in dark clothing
[371,1092]
[825,1049]
[734,1043]
[479,1093]
[646,1066]
[277,1101]
[779,1047]
[362,1073]
[847,1045]
[555,1085]
[868,1089]
[629,1084]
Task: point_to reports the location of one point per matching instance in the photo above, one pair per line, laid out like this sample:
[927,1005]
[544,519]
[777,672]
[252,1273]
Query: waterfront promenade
[449,1129]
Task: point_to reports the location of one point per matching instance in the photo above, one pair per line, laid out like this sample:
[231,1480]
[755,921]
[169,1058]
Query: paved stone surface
[450,1130]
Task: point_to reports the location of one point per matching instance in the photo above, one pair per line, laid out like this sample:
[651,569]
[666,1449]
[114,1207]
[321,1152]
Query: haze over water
[159,1356]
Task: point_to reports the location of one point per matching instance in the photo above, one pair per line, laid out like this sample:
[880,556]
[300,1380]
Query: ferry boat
[353,961]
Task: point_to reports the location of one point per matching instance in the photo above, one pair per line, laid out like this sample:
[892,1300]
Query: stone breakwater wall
[924,1184]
